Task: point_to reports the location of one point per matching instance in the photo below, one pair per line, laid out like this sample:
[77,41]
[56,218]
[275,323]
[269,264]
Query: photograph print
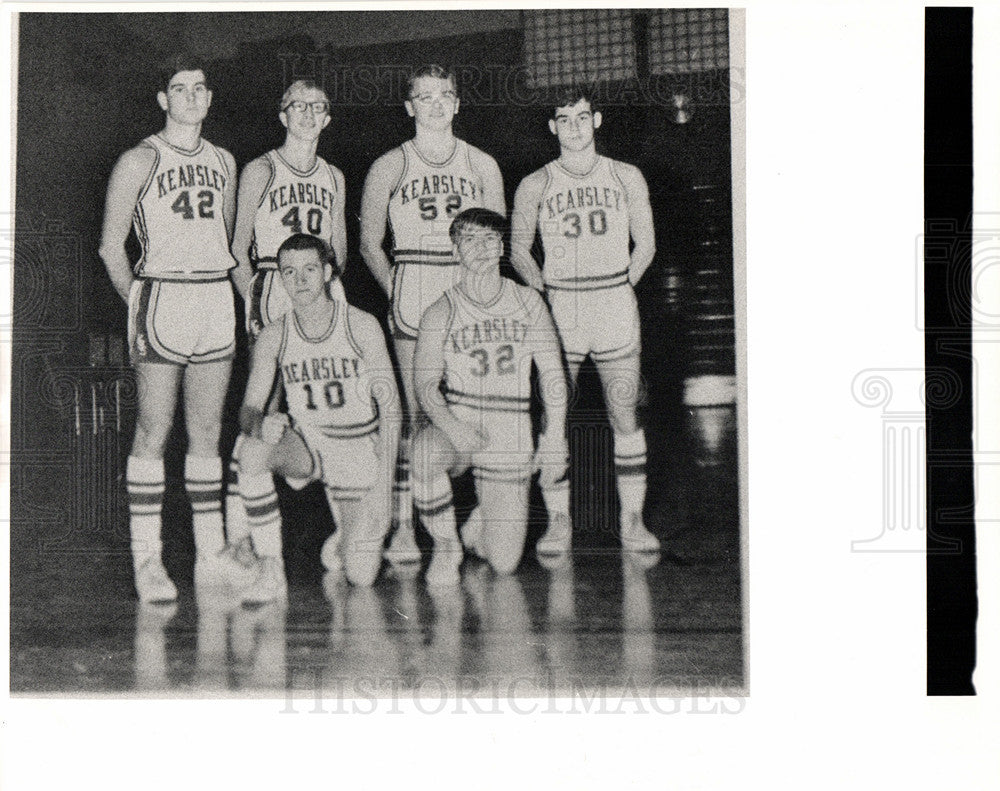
[379,355]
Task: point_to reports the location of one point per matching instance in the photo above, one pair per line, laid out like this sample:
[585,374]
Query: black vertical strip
[951,549]
[640,37]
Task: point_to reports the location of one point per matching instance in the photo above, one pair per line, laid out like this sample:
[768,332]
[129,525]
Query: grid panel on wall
[565,45]
[682,41]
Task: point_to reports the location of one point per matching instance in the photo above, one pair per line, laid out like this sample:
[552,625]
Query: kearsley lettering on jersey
[424,201]
[189,176]
[438,184]
[180,223]
[318,369]
[584,197]
[293,201]
[584,227]
[487,331]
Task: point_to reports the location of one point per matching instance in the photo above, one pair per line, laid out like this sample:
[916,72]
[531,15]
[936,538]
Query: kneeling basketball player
[473,363]
[342,423]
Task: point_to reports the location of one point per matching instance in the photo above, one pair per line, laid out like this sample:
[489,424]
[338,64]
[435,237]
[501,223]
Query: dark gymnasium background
[86,92]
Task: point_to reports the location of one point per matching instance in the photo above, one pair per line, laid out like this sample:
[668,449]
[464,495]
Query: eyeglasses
[318,108]
[427,98]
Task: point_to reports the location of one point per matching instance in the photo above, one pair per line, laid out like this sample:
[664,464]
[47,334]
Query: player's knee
[503,563]
[150,437]
[361,572]
[430,453]
[203,434]
[623,422]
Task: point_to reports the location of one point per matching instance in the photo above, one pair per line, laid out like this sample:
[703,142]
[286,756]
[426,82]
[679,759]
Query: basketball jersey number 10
[333,392]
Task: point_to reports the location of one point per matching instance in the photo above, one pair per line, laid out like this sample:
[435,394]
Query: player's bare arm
[253,182]
[640,221]
[338,241]
[428,364]
[488,170]
[381,179]
[263,365]
[523,227]
[127,179]
[229,194]
[552,454]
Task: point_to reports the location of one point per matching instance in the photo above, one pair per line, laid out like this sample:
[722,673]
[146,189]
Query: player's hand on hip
[551,459]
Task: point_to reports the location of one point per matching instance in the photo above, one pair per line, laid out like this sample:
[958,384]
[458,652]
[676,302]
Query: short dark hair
[431,70]
[569,95]
[306,241]
[178,62]
[477,218]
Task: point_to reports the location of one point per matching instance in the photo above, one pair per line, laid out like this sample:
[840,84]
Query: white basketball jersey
[584,225]
[293,202]
[178,218]
[488,348]
[326,381]
[424,201]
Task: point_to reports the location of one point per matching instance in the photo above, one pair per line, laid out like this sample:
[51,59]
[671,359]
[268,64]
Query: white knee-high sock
[263,515]
[433,500]
[203,481]
[145,483]
[237,527]
[630,469]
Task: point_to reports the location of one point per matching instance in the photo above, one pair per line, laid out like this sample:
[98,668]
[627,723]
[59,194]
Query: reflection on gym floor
[596,620]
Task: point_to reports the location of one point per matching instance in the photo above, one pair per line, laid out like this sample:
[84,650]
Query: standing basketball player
[587,209]
[283,192]
[479,341]
[343,405]
[419,187]
[178,191]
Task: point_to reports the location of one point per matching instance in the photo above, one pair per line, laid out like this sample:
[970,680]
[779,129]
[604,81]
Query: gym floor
[601,621]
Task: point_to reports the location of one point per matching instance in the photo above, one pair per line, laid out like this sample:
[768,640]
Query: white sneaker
[403,548]
[269,585]
[635,536]
[558,536]
[329,555]
[443,568]
[237,564]
[152,583]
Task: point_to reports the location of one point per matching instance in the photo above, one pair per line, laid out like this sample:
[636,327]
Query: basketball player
[587,209]
[343,406]
[285,191]
[419,187]
[479,340]
[178,192]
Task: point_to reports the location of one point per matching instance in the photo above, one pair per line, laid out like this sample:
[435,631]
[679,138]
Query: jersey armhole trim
[402,173]
[270,179]
[284,338]
[152,171]
[222,160]
[350,334]
[619,179]
[452,311]
[473,168]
